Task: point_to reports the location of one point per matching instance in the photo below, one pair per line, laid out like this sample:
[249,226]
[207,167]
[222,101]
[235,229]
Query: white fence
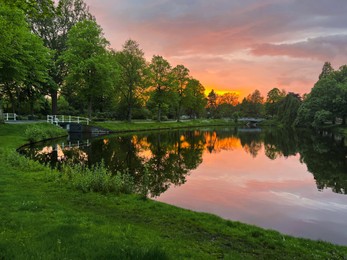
[10,116]
[56,119]
[77,144]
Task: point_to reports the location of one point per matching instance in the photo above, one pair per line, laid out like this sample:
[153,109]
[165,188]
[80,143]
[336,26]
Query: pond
[293,182]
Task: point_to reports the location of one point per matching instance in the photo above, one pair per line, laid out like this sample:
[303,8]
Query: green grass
[42,218]
[119,126]
[43,131]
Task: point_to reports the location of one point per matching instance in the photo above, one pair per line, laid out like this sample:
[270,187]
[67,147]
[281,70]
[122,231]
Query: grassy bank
[41,218]
[118,126]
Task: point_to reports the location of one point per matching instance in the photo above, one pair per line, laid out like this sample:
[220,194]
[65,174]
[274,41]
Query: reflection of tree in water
[251,142]
[167,157]
[326,159]
[55,155]
[220,139]
[324,155]
[280,143]
[174,155]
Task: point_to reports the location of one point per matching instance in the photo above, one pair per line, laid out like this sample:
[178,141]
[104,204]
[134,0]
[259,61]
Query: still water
[292,182]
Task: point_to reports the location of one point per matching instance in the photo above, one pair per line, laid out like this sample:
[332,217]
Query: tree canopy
[327,100]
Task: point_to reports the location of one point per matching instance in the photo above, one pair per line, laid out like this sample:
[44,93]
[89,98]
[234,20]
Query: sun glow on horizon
[222,92]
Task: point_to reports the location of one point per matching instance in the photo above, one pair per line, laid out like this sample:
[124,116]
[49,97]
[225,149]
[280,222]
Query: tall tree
[132,74]
[52,20]
[87,62]
[274,96]
[181,74]
[161,82]
[288,108]
[229,98]
[326,70]
[23,58]
[327,100]
[253,105]
[194,99]
[212,103]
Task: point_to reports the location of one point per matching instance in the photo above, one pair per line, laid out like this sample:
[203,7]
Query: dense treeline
[55,60]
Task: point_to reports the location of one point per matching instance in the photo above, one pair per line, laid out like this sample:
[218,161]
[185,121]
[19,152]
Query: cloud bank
[234,45]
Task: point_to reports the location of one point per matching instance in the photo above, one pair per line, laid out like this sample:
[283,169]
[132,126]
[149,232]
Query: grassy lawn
[45,219]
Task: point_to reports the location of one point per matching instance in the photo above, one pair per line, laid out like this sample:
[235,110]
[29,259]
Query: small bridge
[251,120]
[63,119]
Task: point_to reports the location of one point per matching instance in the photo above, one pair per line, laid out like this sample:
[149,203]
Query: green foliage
[96,179]
[180,82]
[132,79]
[326,70]
[38,132]
[194,100]
[52,21]
[288,108]
[19,162]
[89,69]
[274,96]
[253,105]
[212,104]
[65,108]
[326,101]
[161,80]
[320,117]
[23,60]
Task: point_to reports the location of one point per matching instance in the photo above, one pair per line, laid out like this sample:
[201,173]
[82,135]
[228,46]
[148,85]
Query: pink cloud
[321,48]
[208,37]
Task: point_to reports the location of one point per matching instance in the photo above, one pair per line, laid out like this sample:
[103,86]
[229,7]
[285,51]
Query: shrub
[17,161]
[97,179]
[38,132]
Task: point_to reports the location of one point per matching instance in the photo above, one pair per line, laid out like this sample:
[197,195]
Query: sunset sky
[234,45]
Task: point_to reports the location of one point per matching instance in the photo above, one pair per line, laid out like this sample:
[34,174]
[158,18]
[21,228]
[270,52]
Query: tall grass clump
[38,132]
[97,179]
[17,161]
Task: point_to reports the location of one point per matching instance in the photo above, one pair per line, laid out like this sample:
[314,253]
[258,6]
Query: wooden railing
[56,119]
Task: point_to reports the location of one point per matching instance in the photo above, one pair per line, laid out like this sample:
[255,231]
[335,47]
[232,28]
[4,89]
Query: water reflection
[168,157]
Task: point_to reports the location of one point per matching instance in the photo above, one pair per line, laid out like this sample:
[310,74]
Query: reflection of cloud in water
[299,201]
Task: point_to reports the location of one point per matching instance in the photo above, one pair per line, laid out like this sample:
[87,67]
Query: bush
[38,132]
[17,161]
[97,179]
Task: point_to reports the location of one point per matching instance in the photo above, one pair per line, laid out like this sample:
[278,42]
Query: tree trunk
[1,113]
[90,106]
[179,112]
[54,97]
[344,120]
[159,112]
[129,113]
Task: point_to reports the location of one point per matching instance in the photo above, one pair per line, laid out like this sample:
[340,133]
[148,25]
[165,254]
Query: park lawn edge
[44,219]
[137,126]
